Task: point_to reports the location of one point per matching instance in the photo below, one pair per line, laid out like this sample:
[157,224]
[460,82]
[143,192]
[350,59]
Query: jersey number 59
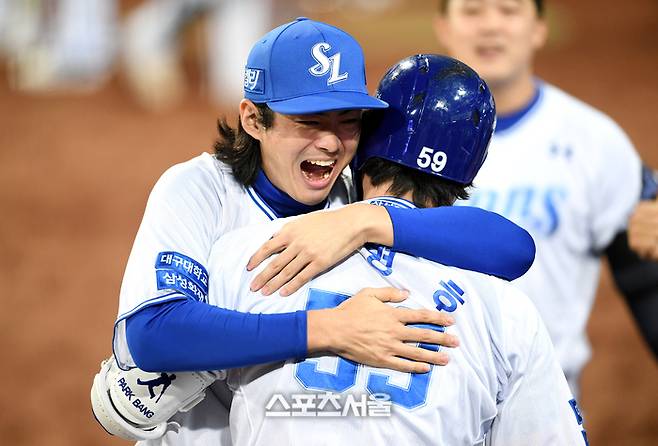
[344,377]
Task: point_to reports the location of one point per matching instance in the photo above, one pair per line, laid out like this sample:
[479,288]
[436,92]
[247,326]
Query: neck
[282,204]
[513,95]
[382,190]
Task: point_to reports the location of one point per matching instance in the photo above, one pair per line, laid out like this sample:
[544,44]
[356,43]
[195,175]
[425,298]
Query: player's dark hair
[427,190]
[239,149]
[443,7]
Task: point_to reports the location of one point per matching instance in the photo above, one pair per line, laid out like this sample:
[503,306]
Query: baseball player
[503,385]
[299,127]
[152,53]
[559,168]
[58,45]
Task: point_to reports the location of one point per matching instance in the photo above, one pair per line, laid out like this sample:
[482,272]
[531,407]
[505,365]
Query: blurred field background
[76,169]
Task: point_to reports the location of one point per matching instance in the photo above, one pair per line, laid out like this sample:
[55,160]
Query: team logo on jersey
[326,64]
[253,80]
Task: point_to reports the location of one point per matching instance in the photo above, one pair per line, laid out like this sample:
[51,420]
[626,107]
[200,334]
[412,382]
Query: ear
[250,119]
[366,186]
[540,35]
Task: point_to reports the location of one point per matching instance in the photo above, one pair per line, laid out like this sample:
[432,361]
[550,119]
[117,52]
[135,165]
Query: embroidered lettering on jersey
[381,258]
[537,210]
[447,296]
[343,376]
[326,65]
[181,273]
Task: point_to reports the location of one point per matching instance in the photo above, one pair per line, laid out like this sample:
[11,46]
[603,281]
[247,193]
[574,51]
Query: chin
[495,76]
[315,197]
[307,196]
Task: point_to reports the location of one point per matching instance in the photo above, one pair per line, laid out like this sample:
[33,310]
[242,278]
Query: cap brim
[326,101]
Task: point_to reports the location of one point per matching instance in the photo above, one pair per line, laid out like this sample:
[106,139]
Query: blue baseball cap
[305,67]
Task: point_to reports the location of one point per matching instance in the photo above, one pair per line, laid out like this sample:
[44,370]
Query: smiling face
[303,155]
[497,38]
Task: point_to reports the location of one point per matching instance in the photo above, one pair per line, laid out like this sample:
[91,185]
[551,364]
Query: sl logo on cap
[326,64]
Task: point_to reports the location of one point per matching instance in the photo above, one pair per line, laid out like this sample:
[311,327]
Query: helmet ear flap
[372,122]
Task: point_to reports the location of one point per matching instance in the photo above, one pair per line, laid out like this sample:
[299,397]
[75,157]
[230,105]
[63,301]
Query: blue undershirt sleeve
[465,237]
[187,335]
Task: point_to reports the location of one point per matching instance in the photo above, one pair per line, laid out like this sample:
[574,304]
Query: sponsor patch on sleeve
[175,271]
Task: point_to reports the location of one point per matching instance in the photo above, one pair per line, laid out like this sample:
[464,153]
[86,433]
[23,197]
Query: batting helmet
[440,118]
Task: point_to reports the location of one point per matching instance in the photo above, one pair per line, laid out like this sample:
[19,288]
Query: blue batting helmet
[440,118]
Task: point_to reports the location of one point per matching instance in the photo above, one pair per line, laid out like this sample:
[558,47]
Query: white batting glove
[137,405]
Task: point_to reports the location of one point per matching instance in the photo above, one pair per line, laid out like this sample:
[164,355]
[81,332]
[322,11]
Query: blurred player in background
[504,383]
[152,46]
[71,45]
[55,45]
[153,31]
[559,168]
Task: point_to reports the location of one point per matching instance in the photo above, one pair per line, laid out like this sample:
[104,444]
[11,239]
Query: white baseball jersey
[570,176]
[503,385]
[190,207]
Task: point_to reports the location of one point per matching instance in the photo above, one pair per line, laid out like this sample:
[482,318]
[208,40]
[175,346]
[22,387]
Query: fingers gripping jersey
[190,207]
[568,175]
[502,385]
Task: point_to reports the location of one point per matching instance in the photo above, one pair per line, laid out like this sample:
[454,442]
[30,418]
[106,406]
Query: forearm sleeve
[187,335]
[465,237]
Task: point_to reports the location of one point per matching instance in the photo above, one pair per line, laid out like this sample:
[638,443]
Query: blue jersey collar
[505,122]
[393,202]
[282,204]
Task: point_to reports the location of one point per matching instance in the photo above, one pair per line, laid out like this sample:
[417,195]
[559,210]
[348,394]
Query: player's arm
[536,406]
[637,278]
[461,236]
[466,237]
[158,304]
[643,230]
[643,224]
[188,335]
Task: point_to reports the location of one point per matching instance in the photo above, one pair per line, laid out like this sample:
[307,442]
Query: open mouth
[489,50]
[317,170]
